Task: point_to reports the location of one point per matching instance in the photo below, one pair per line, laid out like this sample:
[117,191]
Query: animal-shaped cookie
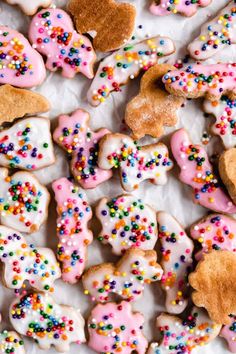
[176,249]
[224,111]
[183,336]
[127,222]
[228,333]
[116,327]
[126,63]
[20,64]
[23,201]
[30,7]
[127,278]
[216,34]
[52,34]
[197,172]
[198,80]
[153,108]
[182,7]
[113,22]
[11,343]
[24,262]
[20,146]
[74,135]
[72,231]
[227,169]
[136,163]
[39,317]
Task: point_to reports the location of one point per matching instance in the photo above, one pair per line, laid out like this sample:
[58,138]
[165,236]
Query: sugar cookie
[227,169]
[228,333]
[29,7]
[182,7]
[11,342]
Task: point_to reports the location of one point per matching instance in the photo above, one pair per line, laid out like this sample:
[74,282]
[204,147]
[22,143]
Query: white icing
[30,6]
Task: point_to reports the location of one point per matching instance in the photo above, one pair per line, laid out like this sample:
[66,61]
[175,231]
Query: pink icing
[197,172]
[74,236]
[29,70]
[52,34]
[124,324]
[202,80]
[183,7]
[75,136]
[229,334]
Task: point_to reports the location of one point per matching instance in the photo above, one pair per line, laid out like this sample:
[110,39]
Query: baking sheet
[67,95]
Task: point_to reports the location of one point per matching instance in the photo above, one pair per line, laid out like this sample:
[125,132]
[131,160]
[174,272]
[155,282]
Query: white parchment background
[65,96]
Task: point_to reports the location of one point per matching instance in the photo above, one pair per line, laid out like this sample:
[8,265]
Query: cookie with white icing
[30,7]
[11,343]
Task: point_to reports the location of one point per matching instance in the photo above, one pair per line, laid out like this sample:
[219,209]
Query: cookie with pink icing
[72,230]
[183,7]
[20,64]
[136,163]
[126,63]
[184,335]
[30,7]
[197,172]
[127,278]
[53,35]
[116,328]
[216,34]
[228,333]
[176,249]
[198,80]
[74,135]
[11,342]
[24,262]
[38,316]
[127,222]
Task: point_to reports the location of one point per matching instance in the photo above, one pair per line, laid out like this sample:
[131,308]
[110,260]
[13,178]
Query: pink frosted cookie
[74,135]
[186,8]
[127,278]
[115,328]
[136,163]
[198,80]
[197,172]
[127,223]
[215,34]
[39,317]
[23,201]
[20,64]
[52,34]
[176,249]
[24,262]
[30,6]
[126,63]
[11,343]
[229,334]
[74,237]
[182,336]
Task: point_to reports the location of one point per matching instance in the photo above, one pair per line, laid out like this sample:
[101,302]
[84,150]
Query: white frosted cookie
[29,7]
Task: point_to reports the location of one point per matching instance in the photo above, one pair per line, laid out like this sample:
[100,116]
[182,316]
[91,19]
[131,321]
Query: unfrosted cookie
[227,169]
[30,6]
[11,343]
[74,135]
[176,249]
[23,201]
[24,262]
[197,172]
[52,34]
[74,236]
[127,222]
[153,108]
[182,7]
[126,63]
[39,317]
[136,163]
[127,278]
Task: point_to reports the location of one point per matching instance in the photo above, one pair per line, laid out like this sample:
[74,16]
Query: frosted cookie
[116,327]
[11,343]
[227,169]
[182,7]
[224,111]
[127,223]
[228,333]
[116,69]
[20,146]
[197,172]
[20,64]
[72,230]
[23,201]
[176,249]
[182,336]
[24,262]
[74,135]
[52,34]
[30,7]
[136,163]
[39,317]
[198,80]
[127,278]
[216,34]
